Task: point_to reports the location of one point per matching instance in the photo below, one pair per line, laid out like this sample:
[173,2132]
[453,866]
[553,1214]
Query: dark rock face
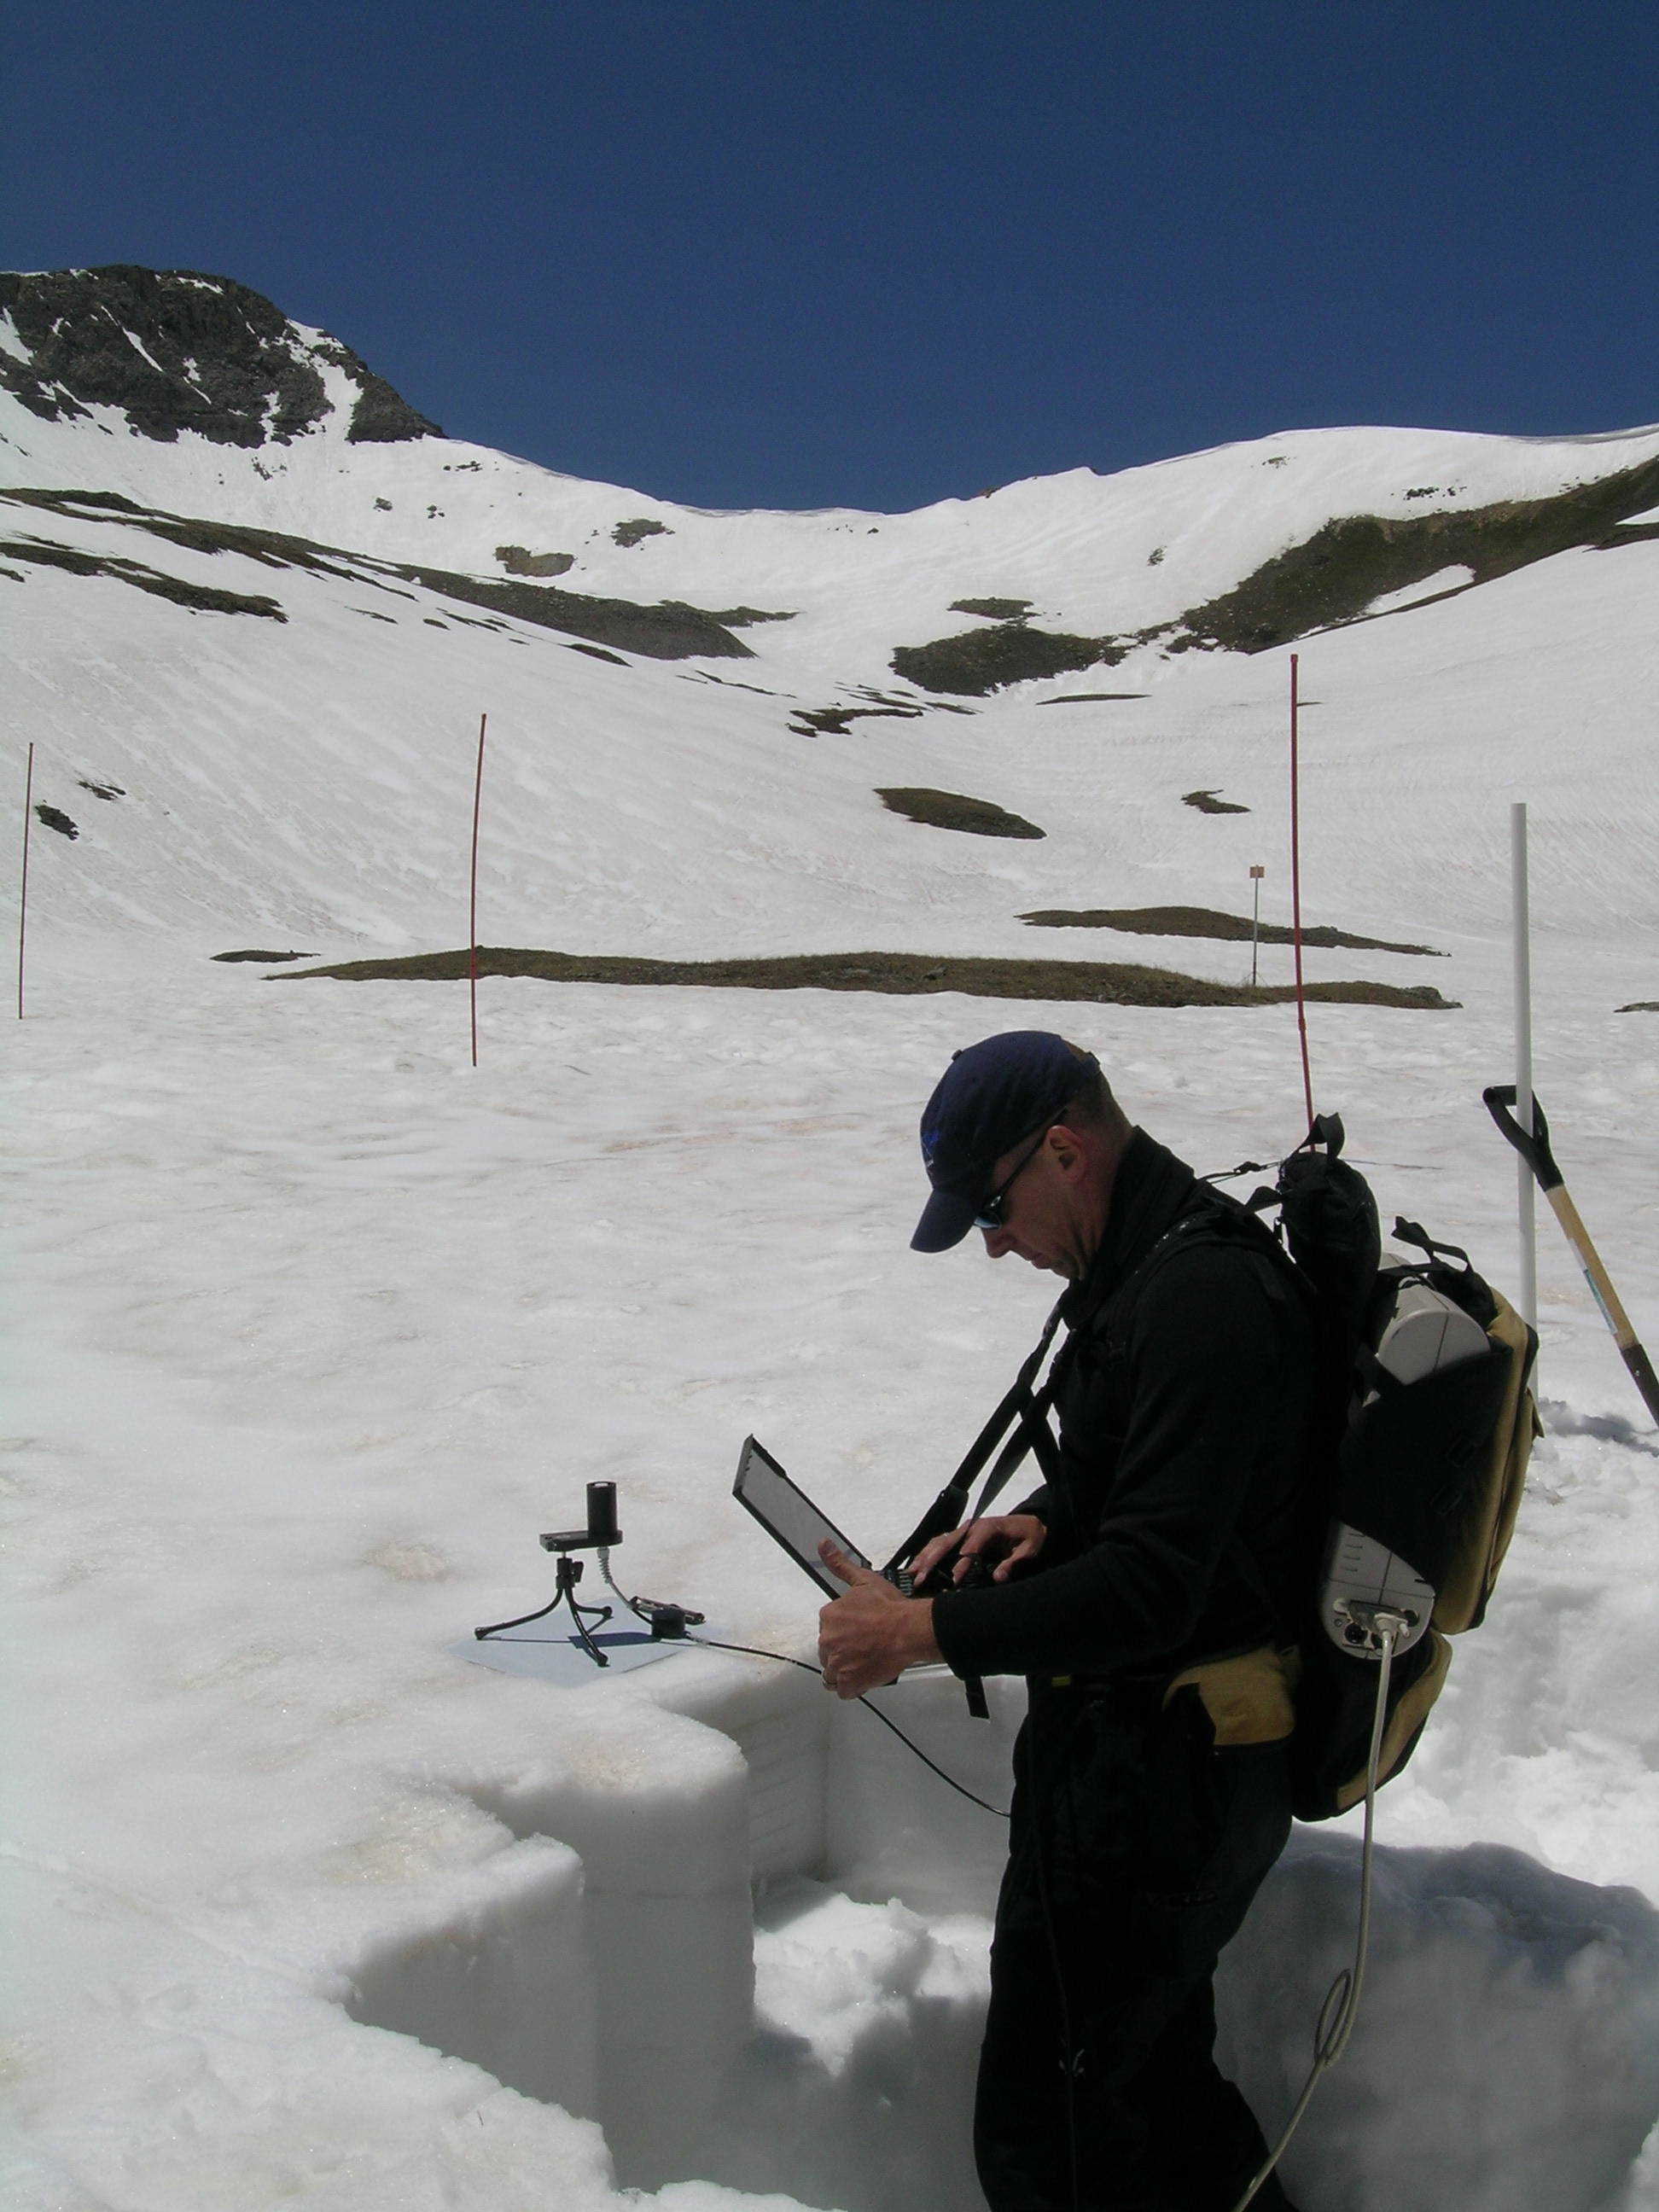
[180,351]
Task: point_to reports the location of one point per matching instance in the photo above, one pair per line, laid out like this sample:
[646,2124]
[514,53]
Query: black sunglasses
[990,1213]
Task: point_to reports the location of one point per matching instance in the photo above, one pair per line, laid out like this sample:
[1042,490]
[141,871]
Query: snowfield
[311,1328]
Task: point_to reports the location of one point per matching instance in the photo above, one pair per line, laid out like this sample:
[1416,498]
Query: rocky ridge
[176,350]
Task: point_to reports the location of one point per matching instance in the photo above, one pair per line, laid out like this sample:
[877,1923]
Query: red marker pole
[1296,903]
[473,910]
[23,895]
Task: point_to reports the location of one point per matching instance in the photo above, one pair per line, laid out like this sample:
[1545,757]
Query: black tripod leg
[523,1621]
[601,1613]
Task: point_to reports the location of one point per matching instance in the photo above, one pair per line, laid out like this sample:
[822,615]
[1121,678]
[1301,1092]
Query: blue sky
[801,255]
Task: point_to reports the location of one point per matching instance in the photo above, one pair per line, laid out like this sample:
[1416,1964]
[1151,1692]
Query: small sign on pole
[1256,874]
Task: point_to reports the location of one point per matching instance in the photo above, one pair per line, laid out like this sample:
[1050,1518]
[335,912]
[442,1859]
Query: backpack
[1419,1458]
[1417,1466]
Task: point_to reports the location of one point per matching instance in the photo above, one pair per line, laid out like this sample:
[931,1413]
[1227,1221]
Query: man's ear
[1070,1154]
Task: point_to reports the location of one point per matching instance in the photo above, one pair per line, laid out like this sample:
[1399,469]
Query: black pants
[1135,1849]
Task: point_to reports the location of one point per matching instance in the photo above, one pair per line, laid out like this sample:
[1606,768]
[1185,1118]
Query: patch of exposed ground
[1088,698]
[906,974]
[993,609]
[1330,579]
[627,534]
[1211,802]
[110,790]
[837,721]
[954,810]
[55,819]
[1641,1007]
[1208,921]
[268,958]
[1334,576]
[519,561]
[671,631]
[737,617]
[201,598]
[984,660]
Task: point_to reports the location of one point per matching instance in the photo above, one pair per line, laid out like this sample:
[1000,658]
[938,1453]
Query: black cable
[1337,2013]
[753,1651]
[650,1610]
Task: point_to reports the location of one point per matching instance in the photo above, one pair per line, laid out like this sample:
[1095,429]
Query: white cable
[1333,2028]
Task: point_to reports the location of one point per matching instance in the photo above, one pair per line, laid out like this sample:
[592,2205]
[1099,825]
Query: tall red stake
[472,909]
[23,896]
[1296,904]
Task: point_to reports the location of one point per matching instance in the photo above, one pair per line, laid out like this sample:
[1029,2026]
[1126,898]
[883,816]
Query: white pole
[1523,1060]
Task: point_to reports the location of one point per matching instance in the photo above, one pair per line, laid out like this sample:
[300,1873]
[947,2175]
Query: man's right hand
[1007,1539]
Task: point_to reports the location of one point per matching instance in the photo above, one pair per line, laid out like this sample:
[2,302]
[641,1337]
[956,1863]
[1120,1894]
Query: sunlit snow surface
[311,1328]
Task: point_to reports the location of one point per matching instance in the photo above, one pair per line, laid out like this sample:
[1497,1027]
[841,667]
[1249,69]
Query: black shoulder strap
[1221,1219]
[1227,1220]
[950,1509]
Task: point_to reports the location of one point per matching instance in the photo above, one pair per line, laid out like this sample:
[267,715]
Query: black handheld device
[601,1532]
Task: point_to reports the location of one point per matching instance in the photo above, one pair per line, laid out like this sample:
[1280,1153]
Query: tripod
[600,1535]
[570,1574]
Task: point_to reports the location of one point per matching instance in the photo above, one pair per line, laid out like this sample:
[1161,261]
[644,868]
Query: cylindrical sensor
[602,1514]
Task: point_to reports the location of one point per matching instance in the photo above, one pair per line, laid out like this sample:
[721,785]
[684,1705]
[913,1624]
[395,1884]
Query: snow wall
[752,1945]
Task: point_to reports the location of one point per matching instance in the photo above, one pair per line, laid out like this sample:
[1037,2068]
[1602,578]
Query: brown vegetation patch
[267,959]
[1207,922]
[1089,698]
[200,598]
[954,810]
[738,618]
[837,721]
[519,561]
[1209,802]
[906,974]
[993,609]
[1641,1007]
[671,631]
[984,660]
[1331,577]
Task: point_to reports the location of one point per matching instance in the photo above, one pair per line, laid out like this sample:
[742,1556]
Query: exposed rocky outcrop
[178,350]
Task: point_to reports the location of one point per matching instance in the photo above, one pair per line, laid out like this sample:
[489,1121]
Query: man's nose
[998,1242]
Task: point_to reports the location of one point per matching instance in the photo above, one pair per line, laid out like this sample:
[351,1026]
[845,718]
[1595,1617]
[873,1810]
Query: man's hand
[1008,1538]
[872,1634]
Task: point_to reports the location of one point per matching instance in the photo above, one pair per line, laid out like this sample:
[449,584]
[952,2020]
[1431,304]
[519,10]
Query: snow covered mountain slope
[310,1327]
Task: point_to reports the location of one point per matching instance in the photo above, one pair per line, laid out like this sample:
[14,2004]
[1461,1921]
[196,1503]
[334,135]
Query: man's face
[1044,1221]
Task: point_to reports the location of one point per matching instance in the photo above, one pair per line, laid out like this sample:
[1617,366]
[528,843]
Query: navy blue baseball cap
[990,1097]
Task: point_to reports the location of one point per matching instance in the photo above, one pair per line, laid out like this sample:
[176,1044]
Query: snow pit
[1506,2054]
[752,1939]
[498,1972]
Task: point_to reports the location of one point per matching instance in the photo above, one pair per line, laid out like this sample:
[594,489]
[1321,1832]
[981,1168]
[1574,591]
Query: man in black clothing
[1138,1592]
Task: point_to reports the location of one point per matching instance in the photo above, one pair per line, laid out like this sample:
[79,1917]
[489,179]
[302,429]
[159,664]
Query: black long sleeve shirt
[1186,1450]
